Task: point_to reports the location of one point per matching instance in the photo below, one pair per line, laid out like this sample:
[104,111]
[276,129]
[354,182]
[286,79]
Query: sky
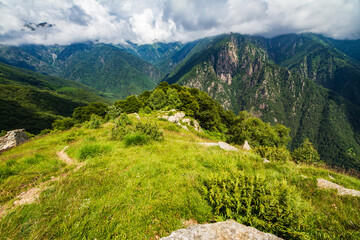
[148,21]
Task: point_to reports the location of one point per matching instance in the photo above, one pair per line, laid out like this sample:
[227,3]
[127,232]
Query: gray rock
[322,183]
[228,230]
[176,117]
[12,139]
[227,147]
[246,146]
[265,160]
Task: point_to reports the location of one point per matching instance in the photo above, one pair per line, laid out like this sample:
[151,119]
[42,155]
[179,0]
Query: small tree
[158,99]
[306,153]
[63,124]
[130,105]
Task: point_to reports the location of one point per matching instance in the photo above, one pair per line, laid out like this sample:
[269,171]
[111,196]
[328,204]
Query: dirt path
[32,194]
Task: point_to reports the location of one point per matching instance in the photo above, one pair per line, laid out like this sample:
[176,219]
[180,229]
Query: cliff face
[242,75]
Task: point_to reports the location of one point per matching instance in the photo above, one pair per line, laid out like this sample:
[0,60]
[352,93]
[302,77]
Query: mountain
[243,74]
[100,66]
[33,101]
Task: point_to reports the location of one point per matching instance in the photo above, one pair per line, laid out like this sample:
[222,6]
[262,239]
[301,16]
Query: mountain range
[307,82]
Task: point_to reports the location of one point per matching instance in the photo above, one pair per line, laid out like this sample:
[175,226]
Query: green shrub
[149,129]
[124,120]
[94,123]
[83,114]
[130,105]
[274,154]
[63,124]
[90,151]
[118,132]
[268,205]
[113,112]
[3,133]
[147,110]
[136,139]
[306,153]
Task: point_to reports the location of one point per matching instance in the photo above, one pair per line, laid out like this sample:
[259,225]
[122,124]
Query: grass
[146,191]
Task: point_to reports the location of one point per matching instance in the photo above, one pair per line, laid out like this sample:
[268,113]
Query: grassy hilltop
[144,189]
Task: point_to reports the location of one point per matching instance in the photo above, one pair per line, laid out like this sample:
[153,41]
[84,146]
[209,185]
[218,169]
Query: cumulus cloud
[146,21]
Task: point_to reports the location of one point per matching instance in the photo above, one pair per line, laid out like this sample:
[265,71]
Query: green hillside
[128,189]
[234,70]
[33,101]
[100,66]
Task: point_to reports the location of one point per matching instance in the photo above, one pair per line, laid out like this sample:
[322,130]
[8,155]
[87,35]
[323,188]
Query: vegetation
[130,190]
[306,153]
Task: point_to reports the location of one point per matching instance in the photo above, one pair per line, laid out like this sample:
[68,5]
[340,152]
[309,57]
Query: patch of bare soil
[32,194]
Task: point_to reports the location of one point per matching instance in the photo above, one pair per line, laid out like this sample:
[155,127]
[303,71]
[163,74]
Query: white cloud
[145,21]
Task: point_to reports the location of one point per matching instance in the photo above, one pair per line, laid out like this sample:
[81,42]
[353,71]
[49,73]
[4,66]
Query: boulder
[265,160]
[176,117]
[227,147]
[12,139]
[228,230]
[246,146]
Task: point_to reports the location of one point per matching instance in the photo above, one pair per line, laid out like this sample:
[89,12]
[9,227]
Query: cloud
[146,21]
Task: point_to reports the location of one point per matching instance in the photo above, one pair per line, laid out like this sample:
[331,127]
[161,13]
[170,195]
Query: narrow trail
[32,194]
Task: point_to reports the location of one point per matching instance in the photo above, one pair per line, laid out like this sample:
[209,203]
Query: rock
[227,147]
[192,123]
[12,139]
[176,117]
[137,116]
[228,230]
[322,183]
[209,144]
[246,146]
[265,160]
[331,177]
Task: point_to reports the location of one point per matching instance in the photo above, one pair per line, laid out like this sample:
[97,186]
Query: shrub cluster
[306,153]
[274,154]
[266,204]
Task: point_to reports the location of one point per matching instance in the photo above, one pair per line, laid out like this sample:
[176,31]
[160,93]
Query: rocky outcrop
[12,139]
[228,230]
[179,118]
[223,145]
[246,146]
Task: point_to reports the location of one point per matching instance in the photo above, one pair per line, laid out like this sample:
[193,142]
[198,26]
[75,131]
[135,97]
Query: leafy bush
[157,99]
[94,123]
[136,139]
[270,206]
[147,110]
[82,114]
[124,120]
[274,154]
[90,151]
[130,105]
[149,129]
[306,153]
[113,112]
[63,124]
[258,133]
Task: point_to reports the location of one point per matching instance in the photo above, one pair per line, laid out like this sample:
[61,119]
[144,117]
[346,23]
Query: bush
[147,110]
[63,124]
[83,114]
[94,123]
[270,206]
[306,153]
[136,139]
[113,112]
[90,151]
[150,130]
[274,154]
[130,105]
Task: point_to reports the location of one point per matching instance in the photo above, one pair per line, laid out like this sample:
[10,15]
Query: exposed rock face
[228,230]
[179,117]
[12,139]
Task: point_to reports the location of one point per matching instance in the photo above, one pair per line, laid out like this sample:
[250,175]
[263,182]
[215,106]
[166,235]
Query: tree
[130,105]
[173,100]
[306,153]
[82,114]
[63,124]
[158,99]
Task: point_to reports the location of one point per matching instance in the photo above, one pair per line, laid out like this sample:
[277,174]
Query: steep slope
[32,101]
[314,58]
[242,76]
[103,67]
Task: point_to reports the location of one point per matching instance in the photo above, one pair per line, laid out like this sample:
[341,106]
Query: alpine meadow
[169,119]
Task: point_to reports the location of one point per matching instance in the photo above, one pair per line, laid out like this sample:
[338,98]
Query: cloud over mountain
[145,21]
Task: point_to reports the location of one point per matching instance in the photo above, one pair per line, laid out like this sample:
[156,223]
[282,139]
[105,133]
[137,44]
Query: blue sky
[146,21]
